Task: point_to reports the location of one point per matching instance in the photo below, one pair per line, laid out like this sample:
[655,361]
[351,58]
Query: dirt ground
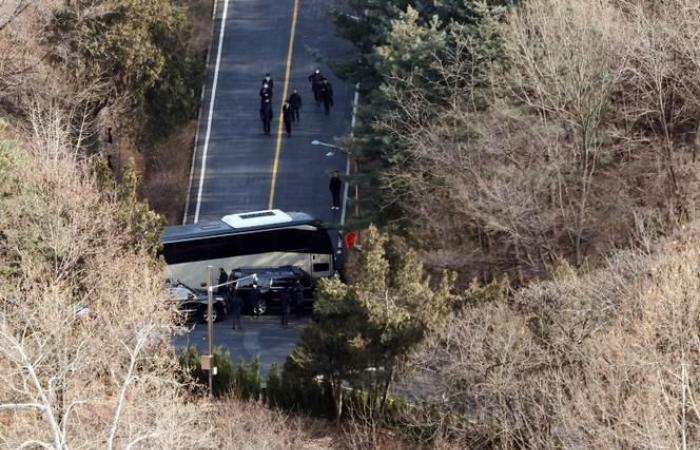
[166,171]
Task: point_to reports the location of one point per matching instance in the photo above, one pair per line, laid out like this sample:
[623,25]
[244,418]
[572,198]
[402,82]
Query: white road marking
[347,157]
[199,115]
[211,111]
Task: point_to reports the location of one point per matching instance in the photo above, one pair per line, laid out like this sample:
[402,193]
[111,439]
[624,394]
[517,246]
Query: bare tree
[603,359]
[580,143]
[10,10]
[85,331]
[566,65]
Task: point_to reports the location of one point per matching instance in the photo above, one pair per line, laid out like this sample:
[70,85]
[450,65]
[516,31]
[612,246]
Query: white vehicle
[271,238]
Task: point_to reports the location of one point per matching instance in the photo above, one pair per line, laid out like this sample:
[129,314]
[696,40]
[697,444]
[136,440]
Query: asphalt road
[238,159]
[265,338]
[234,162]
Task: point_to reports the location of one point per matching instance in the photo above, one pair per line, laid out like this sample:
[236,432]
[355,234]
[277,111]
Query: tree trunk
[337,387]
[385,392]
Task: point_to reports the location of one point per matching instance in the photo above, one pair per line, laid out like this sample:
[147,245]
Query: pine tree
[400,47]
[366,330]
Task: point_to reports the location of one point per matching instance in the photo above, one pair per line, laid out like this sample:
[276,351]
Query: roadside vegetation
[127,75]
[502,138]
[86,359]
[545,151]
[81,354]
[532,283]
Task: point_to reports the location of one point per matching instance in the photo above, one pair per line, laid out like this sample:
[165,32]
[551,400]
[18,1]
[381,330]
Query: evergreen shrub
[239,379]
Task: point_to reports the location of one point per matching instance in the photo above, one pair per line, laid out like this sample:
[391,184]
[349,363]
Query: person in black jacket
[334,187]
[235,303]
[269,82]
[297,295]
[325,91]
[315,80]
[265,93]
[285,302]
[223,278]
[295,103]
[256,300]
[266,115]
[287,117]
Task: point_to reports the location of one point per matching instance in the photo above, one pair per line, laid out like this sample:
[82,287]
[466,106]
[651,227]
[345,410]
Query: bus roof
[257,219]
[238,223]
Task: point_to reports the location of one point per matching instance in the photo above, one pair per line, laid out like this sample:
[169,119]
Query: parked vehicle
[254,239]
[192,303]
[270,282]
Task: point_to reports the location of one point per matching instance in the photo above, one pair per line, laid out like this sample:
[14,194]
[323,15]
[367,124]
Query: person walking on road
[236,306]
[325,91]
[223,278]
[334,187]
[295,102]
[315,80]
[265,93]
[266,115]
[285,301]
[269,82]
[287,117]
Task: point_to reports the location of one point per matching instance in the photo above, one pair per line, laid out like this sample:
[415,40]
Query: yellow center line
[280,124]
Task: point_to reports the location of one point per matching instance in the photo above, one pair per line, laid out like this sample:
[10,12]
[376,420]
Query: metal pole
[210,329]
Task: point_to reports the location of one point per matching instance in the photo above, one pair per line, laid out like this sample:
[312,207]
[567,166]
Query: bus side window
[321,267]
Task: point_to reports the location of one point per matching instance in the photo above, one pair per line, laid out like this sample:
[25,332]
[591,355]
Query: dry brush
[587,141]
[85,356]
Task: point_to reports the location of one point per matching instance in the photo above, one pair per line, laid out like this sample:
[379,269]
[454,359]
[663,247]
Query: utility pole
[210,328]
[207,361]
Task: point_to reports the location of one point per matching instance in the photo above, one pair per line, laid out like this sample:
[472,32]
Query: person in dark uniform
[297,295]
[287,117]
[285,302]
[295,103]
[334,187]
[223,278]
[265,93]
[325,91]
[255,300]
[236,305]
[268,81]
[266,115]
[315,80]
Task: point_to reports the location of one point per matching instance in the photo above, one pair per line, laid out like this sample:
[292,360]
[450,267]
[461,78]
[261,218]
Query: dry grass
[167,176]
[251,426]
[200,12]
